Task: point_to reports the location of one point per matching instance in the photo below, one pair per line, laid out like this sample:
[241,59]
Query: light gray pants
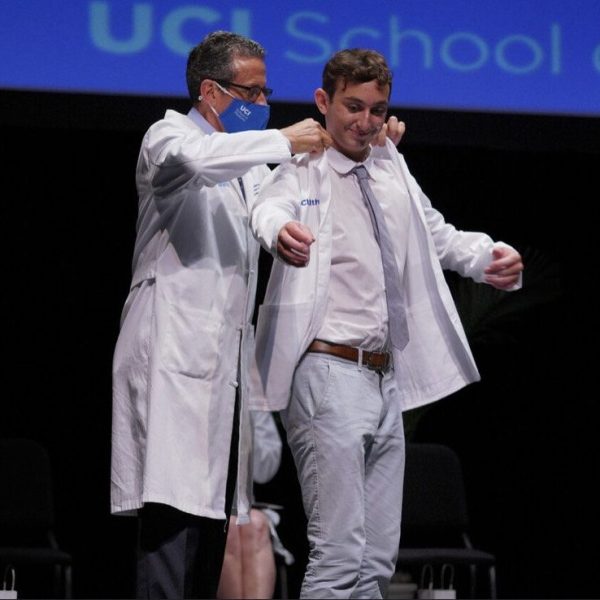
[344,428]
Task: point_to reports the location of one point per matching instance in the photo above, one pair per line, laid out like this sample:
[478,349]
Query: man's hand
[393,129]
[504,271]
[307,136]
[293,243]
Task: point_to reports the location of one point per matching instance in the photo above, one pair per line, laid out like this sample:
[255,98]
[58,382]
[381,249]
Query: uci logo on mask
[243,112]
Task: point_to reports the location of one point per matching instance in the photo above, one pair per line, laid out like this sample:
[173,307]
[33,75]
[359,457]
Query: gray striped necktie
[398,326]
[242,189]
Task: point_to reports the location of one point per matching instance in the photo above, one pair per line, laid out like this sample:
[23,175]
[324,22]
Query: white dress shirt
[356,313]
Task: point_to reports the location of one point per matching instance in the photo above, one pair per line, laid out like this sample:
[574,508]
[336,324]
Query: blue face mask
[244,116]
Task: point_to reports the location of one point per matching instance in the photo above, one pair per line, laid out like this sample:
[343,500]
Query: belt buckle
[374,367]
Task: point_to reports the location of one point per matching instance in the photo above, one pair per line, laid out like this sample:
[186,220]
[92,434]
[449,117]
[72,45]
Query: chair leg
[57,589]
[283,582]
[472,580]
[62,582]
[492,575]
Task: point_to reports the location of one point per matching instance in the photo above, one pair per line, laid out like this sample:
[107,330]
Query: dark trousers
[181,555]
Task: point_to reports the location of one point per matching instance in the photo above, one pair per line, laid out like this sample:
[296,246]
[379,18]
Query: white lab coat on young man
[186,330]
[437,360]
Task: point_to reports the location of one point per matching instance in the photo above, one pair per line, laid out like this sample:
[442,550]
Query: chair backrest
[26,496]
[434,505]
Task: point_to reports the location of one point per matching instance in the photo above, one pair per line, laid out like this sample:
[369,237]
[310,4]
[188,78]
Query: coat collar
[197,118]
[342,164]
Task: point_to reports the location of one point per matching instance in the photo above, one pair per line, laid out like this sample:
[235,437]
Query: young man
[365,329]
[181,436]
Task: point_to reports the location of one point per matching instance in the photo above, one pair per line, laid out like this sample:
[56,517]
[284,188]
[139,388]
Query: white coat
[437,360]
[186,330]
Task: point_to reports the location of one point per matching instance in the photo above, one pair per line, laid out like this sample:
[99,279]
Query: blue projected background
[517,55]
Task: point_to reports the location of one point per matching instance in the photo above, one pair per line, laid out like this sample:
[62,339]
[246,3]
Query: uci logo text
[310,202]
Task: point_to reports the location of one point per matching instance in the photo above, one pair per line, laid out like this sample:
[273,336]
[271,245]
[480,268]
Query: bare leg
[231,582]
[249,564]
[258,561]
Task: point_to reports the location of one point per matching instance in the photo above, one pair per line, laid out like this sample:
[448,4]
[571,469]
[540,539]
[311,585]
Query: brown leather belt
[377,361]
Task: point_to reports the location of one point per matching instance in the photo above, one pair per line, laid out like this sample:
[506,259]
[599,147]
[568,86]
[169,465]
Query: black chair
[27,537]
[435,519]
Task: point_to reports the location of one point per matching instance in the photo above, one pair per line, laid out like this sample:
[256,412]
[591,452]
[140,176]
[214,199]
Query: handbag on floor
[446,591]
[8,594]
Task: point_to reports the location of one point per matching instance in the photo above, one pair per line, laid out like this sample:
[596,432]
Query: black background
[527,433]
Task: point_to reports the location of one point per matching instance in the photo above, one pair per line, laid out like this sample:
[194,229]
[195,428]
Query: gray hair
[214,56]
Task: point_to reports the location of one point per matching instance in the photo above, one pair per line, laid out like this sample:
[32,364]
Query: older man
[181,434]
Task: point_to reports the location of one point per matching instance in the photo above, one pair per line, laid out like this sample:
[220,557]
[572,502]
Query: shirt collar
[342,164]
[195,116]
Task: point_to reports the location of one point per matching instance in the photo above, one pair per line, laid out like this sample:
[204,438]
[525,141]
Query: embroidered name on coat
[310,202]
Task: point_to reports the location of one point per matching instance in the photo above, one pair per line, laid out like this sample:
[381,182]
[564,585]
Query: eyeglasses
[253,91]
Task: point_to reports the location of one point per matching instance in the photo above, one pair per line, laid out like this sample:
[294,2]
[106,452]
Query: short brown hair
[355,65]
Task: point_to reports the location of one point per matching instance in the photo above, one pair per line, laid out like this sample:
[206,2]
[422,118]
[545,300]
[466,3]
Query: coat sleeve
[267,446]
[176,154]
[466,252]
[277,204]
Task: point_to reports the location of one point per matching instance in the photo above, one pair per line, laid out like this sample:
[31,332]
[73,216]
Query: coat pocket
[280,335]
[191,345]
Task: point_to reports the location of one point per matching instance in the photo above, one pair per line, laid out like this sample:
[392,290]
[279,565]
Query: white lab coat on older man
[186,330]
[437,360]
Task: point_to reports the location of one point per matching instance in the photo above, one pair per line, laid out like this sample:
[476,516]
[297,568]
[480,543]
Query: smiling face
[354,115]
